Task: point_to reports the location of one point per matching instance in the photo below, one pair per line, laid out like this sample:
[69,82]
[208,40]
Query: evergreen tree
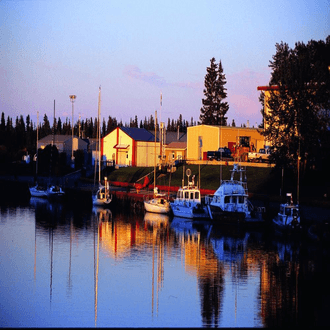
[222,94]
[214,107]
[298,120]
[45,128]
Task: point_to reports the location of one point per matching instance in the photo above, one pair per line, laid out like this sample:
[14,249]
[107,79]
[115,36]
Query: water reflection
[164,271]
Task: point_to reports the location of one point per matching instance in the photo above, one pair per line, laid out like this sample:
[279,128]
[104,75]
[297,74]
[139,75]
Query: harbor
[144,270]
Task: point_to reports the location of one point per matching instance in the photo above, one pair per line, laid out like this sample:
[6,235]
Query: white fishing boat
[102,197]
[188,202]
[230,201]
[288,218]
[38,191]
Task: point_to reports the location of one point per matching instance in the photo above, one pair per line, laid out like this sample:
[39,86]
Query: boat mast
[37,142]
[155,151]
[99,133]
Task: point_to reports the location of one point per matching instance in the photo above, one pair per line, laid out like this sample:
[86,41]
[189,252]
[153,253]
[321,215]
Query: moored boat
[102,197]
[38,191]
[188,202]
[55,192]
[287,219]
[158,204]
[230,201]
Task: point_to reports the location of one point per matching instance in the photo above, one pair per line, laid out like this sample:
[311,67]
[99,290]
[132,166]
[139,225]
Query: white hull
[155,206]
[191,211]
[35,192]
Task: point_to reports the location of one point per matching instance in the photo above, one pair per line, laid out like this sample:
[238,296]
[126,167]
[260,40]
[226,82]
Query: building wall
[214,137]
[230,135]
[176,152]
[201,139]
[138,153]
[122,156]
[145,153]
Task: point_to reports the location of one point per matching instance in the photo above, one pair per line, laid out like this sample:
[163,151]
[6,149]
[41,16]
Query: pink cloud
[156,80]
[149,77]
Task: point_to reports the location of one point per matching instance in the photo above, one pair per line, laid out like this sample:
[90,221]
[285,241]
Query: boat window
[287,211]
[234,199]
[227,199]
[196,195]
[241,199]
[180,194]
[295,212]
[186,195]
[192,195]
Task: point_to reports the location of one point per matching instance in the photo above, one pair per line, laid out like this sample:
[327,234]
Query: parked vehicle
[261,156]
[222,153]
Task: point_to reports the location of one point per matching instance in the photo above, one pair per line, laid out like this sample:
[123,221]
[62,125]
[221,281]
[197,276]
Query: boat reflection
[157,219]
[101,213]
[234,269]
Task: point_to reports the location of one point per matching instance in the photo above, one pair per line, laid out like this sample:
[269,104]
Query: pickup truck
[261,156]
[222,153]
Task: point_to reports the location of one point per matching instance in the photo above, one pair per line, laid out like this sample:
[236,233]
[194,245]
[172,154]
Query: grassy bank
[261,181]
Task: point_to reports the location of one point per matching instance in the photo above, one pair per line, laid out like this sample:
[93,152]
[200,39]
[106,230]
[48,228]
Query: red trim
[133,152]
[268,88]
[102,145]
[117,143]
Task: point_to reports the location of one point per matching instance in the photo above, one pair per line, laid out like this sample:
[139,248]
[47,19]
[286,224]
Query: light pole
[72,99]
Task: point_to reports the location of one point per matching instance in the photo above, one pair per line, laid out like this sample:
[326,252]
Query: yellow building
[176,151]
[203,138]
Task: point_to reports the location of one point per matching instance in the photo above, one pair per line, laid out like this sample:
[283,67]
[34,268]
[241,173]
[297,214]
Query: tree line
[21,133]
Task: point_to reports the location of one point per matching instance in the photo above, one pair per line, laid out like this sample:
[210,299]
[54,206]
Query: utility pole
[72,99]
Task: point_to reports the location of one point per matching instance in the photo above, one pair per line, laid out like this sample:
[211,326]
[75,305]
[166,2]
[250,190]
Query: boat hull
[38,192]
[289,229]
[101,202]
[55,193]
[155,207]
[221,216]
[190,212]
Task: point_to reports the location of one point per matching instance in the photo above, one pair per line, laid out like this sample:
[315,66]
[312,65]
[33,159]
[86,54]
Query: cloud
[149,77]
[158,81]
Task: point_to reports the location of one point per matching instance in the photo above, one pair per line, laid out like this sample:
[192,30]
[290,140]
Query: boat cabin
[289,210]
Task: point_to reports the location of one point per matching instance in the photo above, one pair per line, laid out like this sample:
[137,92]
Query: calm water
[64,267]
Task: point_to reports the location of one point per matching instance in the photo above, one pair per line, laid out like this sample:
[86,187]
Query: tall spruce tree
[214,107]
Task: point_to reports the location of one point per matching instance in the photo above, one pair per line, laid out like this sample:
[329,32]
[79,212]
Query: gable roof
[138,134]
[173,136]
[58,138]
[177,145]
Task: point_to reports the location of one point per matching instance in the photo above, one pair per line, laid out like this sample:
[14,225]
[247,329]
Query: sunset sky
[136,50]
